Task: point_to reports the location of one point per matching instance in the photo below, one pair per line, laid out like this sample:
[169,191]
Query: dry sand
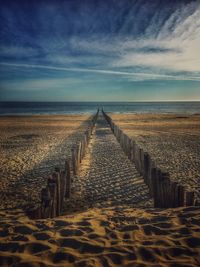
[173,141]
[106,176]
[110,232]
[103,237]
[30,148]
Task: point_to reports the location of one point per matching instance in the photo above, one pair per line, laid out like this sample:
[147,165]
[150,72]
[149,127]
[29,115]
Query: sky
[100,50]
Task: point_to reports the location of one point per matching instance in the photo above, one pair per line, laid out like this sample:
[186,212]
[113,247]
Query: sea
[36,108]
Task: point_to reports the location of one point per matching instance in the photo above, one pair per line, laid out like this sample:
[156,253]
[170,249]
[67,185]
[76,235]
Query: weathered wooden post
[46,202]
[189,198]
[52,185]
[68,179]
[81,150]
[166,189]
[141,158]
[118,134]
[174,194]
[131,150]
[62,188]
[78,153]
[151,166]
[137,163]
[154,186]
[56,177]
[87,136]
[125,143]
[83,147]
[74,161]
[146,167]
[181,195]
[159,188]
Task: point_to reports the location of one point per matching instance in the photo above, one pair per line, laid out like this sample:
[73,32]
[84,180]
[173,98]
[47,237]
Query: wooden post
[68,179]
[174,194]
[138,159]
[166,190]
[181,194]
[146,167]
[159,189]
[189,198]
[45,202]
[78,153]
[117,133]
[83,146]
[81,150]
[125,144]
[141,158]
[62,188]
[122,139]
[152,165]
[56,177]
[154,186]
[131,151]
[53,192]
[88,135]
[74,161]
[128,147]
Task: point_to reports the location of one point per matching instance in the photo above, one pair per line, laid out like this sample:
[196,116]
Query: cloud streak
[145,76]
[133,40]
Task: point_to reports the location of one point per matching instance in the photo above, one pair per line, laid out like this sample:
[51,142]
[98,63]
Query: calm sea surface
[28,108]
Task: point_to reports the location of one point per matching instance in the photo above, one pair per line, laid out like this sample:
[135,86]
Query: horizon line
[92,101]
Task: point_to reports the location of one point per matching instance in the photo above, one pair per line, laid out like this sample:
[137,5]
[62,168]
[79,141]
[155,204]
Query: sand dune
[103,237]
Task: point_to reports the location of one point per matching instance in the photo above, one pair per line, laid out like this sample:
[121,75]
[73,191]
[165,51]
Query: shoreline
[91,113]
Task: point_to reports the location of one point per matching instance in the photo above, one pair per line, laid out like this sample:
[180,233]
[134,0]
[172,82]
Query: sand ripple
[103,237]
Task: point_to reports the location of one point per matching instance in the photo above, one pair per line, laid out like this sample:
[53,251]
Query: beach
[109,219]
[103,237]
[172,140]
[31,147]
[100,133]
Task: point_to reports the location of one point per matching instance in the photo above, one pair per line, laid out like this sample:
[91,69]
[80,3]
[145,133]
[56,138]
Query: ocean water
[29,108]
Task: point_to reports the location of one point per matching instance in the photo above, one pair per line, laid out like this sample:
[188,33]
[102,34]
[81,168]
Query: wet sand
[173,141]
[30,148]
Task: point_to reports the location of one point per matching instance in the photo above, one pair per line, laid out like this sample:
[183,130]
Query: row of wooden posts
[58,186]
[165,192]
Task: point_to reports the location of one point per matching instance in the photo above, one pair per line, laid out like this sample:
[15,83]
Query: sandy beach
[31,147]
[103,237]
[100,133]
[173,141]
[109,219]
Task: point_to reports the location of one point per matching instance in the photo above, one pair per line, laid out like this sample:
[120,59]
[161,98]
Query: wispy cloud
[137,75]
[132,40]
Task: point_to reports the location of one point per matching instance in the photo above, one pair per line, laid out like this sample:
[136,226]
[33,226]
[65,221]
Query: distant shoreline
[82,108]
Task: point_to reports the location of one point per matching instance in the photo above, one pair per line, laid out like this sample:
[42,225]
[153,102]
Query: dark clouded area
[100,50]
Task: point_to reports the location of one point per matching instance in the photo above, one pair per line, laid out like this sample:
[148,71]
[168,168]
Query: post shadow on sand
[45,167]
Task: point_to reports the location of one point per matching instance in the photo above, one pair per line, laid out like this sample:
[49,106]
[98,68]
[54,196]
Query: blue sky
[113,50]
